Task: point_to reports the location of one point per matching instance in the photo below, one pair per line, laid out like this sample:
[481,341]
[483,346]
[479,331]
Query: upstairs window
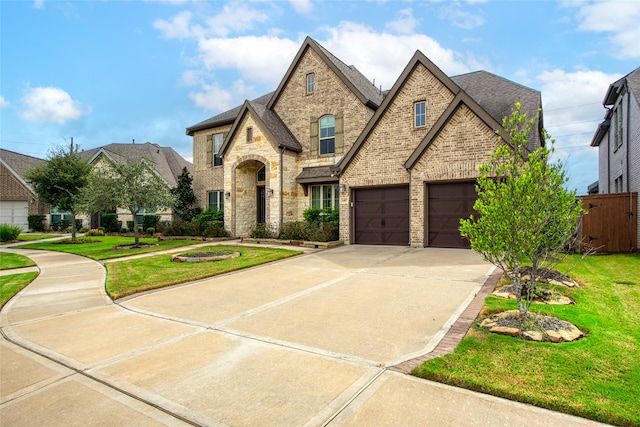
[214,145]
[311,83]
[618,119]
[249,134]
[420,114]
[327,135]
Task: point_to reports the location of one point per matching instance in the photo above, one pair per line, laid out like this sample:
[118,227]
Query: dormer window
[311,83]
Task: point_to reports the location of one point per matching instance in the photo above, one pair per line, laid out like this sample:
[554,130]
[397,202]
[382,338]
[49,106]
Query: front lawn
[9,261]
[128,277]
[28,237]
[597,377]
[12,284]
[103,247]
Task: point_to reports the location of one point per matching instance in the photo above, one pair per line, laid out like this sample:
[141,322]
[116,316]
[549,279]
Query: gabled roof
[350,76]
[19,164]
[226,118]
[165,161]
[632,80]
[269,121]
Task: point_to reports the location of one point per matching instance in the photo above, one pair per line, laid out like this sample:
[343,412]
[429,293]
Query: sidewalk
[75,358]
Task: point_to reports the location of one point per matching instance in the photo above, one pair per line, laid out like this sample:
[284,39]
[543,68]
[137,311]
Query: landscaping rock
[560,300]
[572,334]
[553,336]
[505,330]
[533,336]
[488,323]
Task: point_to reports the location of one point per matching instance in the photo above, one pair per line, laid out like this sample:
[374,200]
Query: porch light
[227,195]
[270,192]
[343,188]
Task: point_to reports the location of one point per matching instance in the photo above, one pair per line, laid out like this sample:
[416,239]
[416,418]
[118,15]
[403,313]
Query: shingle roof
[165,160]
[277,127]
[497,96]
[316,174]
[227,117]
[19,163]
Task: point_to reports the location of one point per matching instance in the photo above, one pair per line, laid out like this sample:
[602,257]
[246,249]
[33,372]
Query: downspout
[628,148]
[609,160]
[281,189]
[410,185]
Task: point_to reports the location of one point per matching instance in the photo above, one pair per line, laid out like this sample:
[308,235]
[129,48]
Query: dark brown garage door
[447,203]
[381,216]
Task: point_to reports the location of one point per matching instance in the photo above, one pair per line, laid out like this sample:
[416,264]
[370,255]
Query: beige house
[400,165]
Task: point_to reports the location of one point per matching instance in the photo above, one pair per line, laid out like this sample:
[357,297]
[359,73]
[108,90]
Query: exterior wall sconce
[343,188]
[270,192]
[227,195]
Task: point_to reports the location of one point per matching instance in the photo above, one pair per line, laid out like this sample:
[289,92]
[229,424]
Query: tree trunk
[136,235]
[73,226]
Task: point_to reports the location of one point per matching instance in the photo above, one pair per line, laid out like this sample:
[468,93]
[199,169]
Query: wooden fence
[611,222]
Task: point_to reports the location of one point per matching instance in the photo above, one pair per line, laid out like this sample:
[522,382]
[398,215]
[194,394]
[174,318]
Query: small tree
[185,207]
[527,216]
[132,186]
[60,181]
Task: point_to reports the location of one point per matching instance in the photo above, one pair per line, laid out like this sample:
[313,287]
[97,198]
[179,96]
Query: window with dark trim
[420,114]
[261,176]
[311,83]
[325,196]
[215,200]
[214,145]
[328,135]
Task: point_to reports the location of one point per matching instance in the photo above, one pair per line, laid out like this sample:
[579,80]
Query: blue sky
[114,71]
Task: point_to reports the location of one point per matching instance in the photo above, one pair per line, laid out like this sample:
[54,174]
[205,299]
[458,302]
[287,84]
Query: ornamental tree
[133,186]
[527,216]
[185,207]
[60,181]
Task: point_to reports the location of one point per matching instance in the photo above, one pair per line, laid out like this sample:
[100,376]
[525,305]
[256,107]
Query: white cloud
[178,27]
[405,23]
[236,17]
[617,18]
[461,17]
[50,105]
[3,102]
[38,4]
[572,103]
[303,7]
[212,97]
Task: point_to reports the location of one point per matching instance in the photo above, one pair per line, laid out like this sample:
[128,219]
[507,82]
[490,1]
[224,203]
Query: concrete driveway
[304,341]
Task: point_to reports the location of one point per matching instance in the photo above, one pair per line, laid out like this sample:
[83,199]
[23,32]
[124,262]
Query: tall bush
[36,222]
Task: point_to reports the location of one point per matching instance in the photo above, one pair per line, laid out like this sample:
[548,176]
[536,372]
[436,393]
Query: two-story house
[618,139]
[400,165]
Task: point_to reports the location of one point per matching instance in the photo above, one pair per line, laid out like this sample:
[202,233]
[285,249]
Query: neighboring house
[17,198]
[400,165]
[618,139]
[163,161]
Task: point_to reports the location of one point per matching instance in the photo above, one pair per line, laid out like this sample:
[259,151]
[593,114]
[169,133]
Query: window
[327,135]
[57,215]
[325,196]
[217,145]
[311,83]
[261,176]
[617,112]
[249,134]
[420,114]
[618,185]
[142,212]
[215,200]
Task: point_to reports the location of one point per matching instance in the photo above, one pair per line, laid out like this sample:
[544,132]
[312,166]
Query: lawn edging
[303,243]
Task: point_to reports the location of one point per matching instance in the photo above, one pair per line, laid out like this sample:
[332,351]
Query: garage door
[381,216]
[447,204]
[14,213]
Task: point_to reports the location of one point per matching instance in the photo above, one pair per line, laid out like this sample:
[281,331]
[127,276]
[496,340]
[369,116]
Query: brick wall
[12,189]
[634,152]
[206,177]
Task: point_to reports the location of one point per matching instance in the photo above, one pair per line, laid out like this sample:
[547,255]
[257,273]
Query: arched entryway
[251,195]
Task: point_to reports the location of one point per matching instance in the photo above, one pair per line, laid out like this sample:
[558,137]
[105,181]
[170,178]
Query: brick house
[163,161]
[400,165]
[618,140]
[17,198]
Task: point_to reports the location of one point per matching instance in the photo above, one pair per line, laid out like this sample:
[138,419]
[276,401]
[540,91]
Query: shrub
[312,215]
[130,225]
[94,232]
[64,225]
[150,221]
[110,222]
[322,216]
[296,230]
[151,231]
[9,232]
[179,228]
[78,224]
[263,231]
[214,229]
[36,222]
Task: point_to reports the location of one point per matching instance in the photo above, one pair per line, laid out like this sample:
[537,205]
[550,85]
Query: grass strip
[28,237]
[128,277]
[104,247]
[596,377]
[12,284]
[9,261]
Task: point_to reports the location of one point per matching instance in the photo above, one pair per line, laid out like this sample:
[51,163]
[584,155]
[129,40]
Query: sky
[104,72]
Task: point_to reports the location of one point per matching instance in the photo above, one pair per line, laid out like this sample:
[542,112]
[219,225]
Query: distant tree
[185,207]
[527,216]
[133,186]
[60,181]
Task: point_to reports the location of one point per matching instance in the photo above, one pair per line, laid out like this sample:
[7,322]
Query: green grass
[597,377]
[12,284]
[9,261]
[103,247]
[27,237]
[128,277]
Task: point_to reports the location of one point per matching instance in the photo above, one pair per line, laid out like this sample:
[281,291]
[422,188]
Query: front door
[262,204]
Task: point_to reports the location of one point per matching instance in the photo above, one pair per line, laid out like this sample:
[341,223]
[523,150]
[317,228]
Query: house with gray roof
[162,161]
[18,199]
[399,164]
[618,140]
